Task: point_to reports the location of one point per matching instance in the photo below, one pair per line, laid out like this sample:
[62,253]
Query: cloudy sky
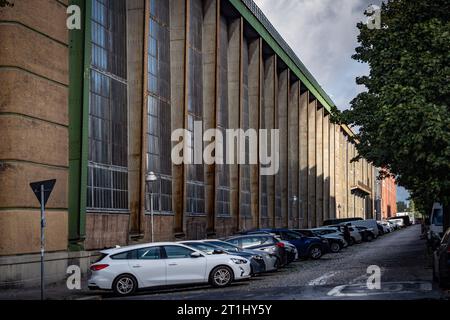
[323,34]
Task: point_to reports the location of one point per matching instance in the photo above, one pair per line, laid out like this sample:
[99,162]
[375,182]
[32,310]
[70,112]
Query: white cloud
[323,34]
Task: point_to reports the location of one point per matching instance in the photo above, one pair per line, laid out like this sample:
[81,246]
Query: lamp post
[151,177]
[294,201]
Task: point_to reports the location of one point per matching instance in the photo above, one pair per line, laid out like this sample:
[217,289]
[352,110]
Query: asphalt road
[401,256]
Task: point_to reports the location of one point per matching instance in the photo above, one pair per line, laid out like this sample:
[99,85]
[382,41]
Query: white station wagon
[127,269]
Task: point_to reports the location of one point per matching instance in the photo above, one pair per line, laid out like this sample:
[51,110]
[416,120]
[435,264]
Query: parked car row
[219,262]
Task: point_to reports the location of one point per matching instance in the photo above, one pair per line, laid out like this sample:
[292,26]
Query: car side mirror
[196,255]
[218,251]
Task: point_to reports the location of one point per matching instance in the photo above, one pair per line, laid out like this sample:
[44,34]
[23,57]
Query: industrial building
[95,107]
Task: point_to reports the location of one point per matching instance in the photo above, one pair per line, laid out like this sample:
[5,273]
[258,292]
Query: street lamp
[294,204]
[151,177]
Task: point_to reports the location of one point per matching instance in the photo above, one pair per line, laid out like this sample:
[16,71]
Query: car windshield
[205,247]
[224,245]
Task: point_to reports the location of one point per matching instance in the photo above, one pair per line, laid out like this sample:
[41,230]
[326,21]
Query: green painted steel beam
[79,82]
[299,70]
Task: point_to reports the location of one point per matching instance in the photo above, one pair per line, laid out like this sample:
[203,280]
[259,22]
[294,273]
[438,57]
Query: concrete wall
[293,156]
[303,158]
[33,123]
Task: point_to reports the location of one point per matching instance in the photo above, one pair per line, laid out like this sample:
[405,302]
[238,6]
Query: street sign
[42,190]
[48,188]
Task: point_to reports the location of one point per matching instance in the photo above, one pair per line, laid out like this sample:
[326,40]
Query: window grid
[195,186]
[159,108]
[223,170]
[108,146]
[245,198]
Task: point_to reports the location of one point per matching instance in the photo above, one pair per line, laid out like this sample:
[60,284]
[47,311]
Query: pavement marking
[359,290]
[322,280]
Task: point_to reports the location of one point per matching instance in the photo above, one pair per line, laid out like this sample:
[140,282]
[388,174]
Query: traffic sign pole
[42,191]
[42,240]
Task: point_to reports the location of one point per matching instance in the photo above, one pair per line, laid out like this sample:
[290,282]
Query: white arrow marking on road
[358,290]
[320,281]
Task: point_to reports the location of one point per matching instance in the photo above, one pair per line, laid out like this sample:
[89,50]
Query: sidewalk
[57,291]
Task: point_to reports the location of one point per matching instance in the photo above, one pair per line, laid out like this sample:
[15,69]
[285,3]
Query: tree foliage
[6,3]
[404,117]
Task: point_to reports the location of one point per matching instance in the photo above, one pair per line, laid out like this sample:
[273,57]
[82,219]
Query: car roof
[251,235]
[138,246]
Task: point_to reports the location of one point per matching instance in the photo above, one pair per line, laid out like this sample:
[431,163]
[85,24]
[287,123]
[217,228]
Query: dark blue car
[307,247]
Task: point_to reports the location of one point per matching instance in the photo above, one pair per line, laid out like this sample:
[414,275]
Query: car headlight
[324,241]
[239,261]
[257,257]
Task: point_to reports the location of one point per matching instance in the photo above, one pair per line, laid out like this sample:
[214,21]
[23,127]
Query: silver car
[270,260]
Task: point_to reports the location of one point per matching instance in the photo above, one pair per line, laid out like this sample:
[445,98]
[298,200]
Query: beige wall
[33,123]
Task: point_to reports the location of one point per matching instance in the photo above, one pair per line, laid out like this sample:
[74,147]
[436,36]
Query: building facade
[388,198]
[95,108]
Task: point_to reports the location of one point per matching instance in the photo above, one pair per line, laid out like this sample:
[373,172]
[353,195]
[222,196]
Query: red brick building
[388,197]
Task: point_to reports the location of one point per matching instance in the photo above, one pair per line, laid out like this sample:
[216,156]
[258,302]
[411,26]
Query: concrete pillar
[210,47]
[319,166]
[338,171]
[293,155]
[351,178]
[270,101]
[282,123]
[332,183]
[255,82]
[178,82]
[303,158]
[326,167]
[312,164]
[344,175]
[234,107]
[137,31]
[348,174]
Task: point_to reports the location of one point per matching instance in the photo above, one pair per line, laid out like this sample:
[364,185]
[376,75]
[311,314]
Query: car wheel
[352,241]
[335,247]
[221,276]
[315,252]
[125,285]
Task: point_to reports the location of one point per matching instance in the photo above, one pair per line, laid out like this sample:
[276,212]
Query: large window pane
[108,118]
[158,106]
[195,175]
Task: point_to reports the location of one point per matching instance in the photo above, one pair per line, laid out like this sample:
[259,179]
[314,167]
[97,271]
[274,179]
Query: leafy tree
[403,117]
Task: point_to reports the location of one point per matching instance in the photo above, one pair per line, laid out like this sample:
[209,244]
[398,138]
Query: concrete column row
[315,173]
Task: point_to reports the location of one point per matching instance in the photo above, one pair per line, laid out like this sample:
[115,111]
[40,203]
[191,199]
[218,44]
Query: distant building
[388,198]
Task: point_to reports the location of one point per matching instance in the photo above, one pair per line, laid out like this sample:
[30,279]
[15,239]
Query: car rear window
[122,256]
[100,257]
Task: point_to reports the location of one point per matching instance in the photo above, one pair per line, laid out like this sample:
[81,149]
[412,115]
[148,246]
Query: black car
[441,262]
[265,242]
[380,229]
[367,234]
[307,247]
[335,244]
